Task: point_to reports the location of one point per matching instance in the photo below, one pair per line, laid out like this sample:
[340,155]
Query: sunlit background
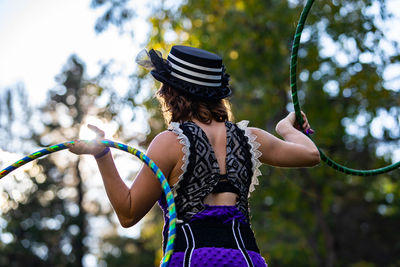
[39,36]
[37,39]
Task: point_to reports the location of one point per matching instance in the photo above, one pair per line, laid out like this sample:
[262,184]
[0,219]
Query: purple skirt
[217,256]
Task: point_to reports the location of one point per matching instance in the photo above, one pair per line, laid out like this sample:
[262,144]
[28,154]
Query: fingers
[310,131]
[72,144]
[99,133]
[291,118]
[306,124]
[305,120]
[75,147]
[83,147]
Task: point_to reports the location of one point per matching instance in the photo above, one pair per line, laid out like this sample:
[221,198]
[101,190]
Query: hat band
[194,65]
[195,81]
[196,74]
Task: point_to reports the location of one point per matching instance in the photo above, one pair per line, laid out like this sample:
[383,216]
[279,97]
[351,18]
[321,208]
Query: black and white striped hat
[192,70]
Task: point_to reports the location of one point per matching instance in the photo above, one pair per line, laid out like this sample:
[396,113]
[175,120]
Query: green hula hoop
[164,183]
[293,86]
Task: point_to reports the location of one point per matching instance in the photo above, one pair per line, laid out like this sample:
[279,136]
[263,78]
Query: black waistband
[215,234]
[225,186]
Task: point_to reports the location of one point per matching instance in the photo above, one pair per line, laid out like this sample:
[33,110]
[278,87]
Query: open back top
[201,173]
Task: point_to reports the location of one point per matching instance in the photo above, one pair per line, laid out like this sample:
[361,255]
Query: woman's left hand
[290,122]
[92,148]
[306,125]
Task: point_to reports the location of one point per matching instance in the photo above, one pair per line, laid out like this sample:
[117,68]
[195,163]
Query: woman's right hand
[290,121]
[92,148]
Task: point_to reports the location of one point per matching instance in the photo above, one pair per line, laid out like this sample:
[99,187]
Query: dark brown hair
[178,107]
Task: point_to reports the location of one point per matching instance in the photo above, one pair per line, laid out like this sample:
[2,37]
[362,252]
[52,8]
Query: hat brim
[194,90]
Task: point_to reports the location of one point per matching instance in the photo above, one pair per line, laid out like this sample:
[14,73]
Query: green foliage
[301,217]
[305,217]
[115,13]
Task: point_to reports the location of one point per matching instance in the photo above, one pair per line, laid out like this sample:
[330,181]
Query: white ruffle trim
[255,153]
[174,127]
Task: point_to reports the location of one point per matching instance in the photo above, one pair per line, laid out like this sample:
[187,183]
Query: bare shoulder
[165,136]
[259,133]
[255,130]
[165,143]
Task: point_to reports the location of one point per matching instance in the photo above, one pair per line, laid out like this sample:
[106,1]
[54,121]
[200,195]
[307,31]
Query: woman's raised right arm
[296,150]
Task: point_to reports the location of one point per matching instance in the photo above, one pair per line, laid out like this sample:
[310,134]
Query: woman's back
[216,134]
[216,165]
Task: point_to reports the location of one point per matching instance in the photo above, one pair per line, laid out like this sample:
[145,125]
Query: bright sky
[37,37]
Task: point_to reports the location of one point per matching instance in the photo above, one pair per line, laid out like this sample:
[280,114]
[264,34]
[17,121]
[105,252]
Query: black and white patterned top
[201,172]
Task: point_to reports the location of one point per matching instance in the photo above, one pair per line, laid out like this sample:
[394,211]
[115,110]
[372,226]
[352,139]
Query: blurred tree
[15,131]
[141,252]
[115,13]
[51,222]
[15,119]
[48,210]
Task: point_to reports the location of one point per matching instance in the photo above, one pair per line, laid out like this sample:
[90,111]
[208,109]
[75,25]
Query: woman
[210,162]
